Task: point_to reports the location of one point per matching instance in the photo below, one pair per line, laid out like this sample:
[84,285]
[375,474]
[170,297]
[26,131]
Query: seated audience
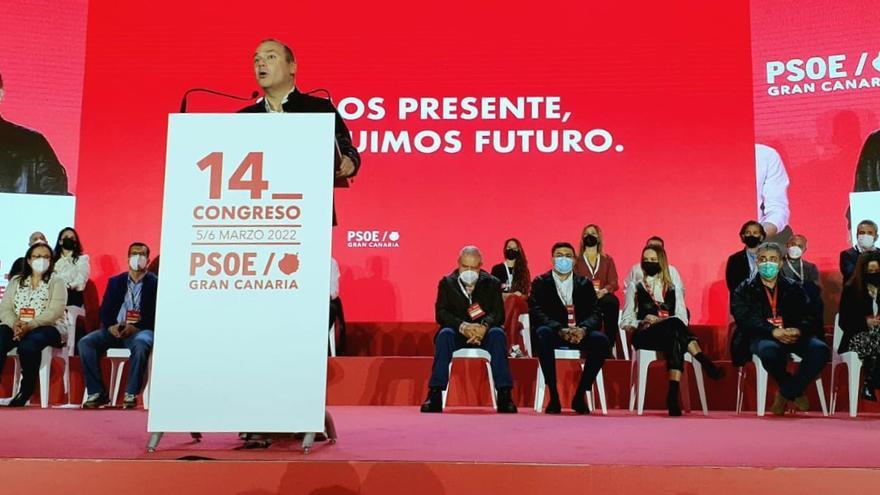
[515,279]
[796,267]
[32,317]
[18,264]
[741,265]
[773,314]
[599,268]
[470,311]
[656,314]
[564,309]
[128,315]
[635,273]
[860,320]
[71,265]
[866,238]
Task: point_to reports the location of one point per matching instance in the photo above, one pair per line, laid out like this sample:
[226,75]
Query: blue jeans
[448,341]
[774,355]
[93,345]
[30,349]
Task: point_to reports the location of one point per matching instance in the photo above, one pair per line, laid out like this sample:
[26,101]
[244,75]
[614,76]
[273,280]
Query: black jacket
[848,261]
[854,308]
[751,310]
[547,309]
[114,296]
[868,168]
[451,308]
[738,270]
[27,162]
[301,103]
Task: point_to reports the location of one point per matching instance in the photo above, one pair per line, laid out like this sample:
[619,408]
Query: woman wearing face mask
[656,315]
[516,281]
[742,265]
[32,317]
[599,268]
[71,265]
[860,320]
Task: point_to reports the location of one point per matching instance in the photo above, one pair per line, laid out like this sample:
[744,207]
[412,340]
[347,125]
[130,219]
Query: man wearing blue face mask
[773,313]
[128,315]
[563,306]
[470,312]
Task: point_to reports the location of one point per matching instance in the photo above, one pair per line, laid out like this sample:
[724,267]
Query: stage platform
[463,450]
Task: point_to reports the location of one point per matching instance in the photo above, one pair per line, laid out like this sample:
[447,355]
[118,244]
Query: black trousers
[610,307]
[670,336]
[30,348]
[594,345]
[338,317]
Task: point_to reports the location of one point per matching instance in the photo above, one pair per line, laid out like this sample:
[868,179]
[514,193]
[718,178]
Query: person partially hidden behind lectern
[470,312]
[128,315]
[275,70]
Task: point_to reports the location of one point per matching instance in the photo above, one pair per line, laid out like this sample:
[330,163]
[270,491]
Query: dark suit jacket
[868,169]
[848,261]
[114,296]
[751,310]
[301,103]
[854,308]
[547,309]
[737,270]
[451,308]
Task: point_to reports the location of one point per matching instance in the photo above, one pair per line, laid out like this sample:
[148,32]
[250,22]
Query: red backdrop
[671,84]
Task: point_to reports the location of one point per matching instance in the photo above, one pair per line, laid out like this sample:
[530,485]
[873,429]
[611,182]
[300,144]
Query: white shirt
[334,278]
[655,283]
[635,276]
[269,108]
[564,288]
[74,275]
[772,182]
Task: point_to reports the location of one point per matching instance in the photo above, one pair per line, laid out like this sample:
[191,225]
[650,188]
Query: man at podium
[275,70]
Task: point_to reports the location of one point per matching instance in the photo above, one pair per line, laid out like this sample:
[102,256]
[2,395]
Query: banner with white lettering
[242,310]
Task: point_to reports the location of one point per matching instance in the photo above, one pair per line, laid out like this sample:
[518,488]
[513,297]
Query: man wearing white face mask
[795,266]
[128,315]
[470,312]
[866,238]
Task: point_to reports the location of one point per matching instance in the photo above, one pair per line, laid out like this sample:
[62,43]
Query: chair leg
[333,340]
[643,381]
[591,400]
[832,393]
[600,385]
[854,368]
[632,382]
[67,377]
[701,386]
[16,376]
[821,389]
[45,369]
[116,379]
[740,375]
[491,385]
[761,387]
[445,392]
[539,390]
[623,344]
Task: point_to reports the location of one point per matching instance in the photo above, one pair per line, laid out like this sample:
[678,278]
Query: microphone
[338,157]
[321,90]
[211,91]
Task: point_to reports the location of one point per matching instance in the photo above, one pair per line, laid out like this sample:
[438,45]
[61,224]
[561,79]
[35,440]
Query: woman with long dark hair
[656,314]
[516,282]
[71,265]
[32,317]
[860,319]
[598,267]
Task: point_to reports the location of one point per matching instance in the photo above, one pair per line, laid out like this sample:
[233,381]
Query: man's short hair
[562,244]
[770,246]
[655,238]
[288,53]
[801,237]
[869,223]
[139,244]
[470,250]
[745,226]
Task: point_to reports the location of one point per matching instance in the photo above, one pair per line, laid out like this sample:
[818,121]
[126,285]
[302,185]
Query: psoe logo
[373,239]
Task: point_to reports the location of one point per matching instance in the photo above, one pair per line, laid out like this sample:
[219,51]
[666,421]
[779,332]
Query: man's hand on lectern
[346,168]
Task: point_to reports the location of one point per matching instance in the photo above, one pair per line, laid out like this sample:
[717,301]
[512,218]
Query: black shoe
[18,401]
[867,393]
[712,371]
[553,405]
[95,401]
[672,403]
[505,402]
[579,403]
[130,401]
[434,402]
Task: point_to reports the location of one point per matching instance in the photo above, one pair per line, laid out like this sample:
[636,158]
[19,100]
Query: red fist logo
[289,264]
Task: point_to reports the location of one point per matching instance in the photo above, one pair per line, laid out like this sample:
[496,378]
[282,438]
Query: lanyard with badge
[475,312]
[509,287]
[772,297]
[799,273]
[662,312]
[597,284]
[568,302]
[28,313]
[133,315]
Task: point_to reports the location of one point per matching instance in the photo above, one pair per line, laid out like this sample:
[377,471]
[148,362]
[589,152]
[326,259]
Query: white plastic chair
[45,368]
[333,340]
[853,368]
[761,377]
[642,358]
[624,345]
[473,353]
[72,313]
[568,354]
[526,333]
